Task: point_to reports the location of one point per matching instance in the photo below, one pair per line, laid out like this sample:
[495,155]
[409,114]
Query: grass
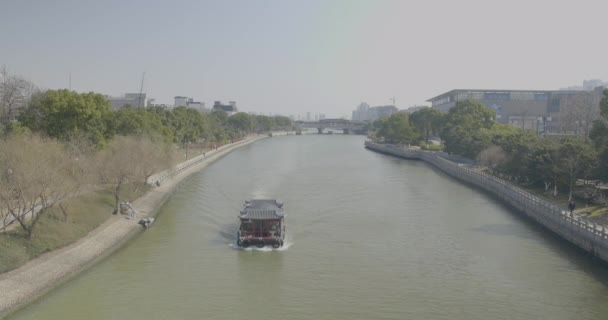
[56,229]
[593,212]
[431,147]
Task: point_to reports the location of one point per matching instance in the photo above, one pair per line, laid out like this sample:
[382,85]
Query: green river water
[371,237]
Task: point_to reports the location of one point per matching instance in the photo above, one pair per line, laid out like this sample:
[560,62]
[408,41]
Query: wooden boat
[261,224]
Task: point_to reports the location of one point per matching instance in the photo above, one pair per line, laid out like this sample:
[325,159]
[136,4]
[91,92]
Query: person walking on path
[571,206]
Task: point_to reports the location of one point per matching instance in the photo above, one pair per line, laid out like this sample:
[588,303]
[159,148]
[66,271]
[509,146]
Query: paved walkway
[23,285]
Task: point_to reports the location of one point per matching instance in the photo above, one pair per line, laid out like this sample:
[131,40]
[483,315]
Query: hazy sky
[290,57]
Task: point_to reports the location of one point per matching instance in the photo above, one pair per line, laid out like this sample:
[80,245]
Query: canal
[371,237]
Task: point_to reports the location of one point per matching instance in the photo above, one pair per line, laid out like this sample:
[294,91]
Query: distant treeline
[64,114]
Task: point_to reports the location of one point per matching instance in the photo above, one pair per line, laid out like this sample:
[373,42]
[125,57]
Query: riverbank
[29,282]
[583,233]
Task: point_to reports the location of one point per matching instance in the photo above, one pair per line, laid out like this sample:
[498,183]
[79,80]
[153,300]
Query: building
[361,113]
[588,85]
[181,101]
[382,111]
[229,108]
[135,100]
[366,113]
[543,111]
[196,105]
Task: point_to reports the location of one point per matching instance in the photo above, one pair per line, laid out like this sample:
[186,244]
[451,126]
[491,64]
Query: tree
[428,121]
[139,121]
[397,129]
[467,128]
[118,164]
[543,164]
[282,123]
[35,174]
[492,156]
[63,113]
[599,136]
[577,159]
[264,123]
[241,122]
[154,156]
[15,92]
[579,114]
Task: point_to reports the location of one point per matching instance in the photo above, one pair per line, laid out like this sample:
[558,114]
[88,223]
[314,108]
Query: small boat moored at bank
[261,224]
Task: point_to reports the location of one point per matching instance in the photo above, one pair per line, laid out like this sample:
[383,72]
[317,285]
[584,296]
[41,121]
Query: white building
[181,101]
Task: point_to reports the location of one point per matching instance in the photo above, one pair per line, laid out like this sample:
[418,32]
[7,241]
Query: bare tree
[492,156]
[81,154]
[15,92]
[34,176]
[154,156]
[130,159]
[579,112]
[118,164]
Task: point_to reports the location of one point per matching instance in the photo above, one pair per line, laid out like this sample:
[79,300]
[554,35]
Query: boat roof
[262,209]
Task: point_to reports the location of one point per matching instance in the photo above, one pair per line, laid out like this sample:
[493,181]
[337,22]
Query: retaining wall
[578,230]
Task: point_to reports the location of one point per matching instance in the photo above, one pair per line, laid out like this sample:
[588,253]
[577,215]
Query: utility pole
[141,89]
[394,103]
[70,82]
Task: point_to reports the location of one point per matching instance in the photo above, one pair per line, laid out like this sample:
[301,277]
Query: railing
[577,229]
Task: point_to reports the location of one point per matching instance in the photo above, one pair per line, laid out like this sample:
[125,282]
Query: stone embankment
[23,285]
[587,235]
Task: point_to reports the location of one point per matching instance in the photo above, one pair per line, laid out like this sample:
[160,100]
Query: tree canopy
[397,129]
[467,128]
[62,114]
[427,122]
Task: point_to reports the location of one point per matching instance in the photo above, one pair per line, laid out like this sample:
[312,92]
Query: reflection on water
[372,237]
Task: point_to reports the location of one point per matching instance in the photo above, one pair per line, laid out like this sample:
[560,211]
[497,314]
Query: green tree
[467,128]
[264,123]
[577,159]
[189,125]
[428,121]
[397,129]
[138,121]
[282,123]
[240,122]
[63,113]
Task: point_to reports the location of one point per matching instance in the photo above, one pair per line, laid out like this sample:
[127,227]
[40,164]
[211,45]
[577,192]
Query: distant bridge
[346,126]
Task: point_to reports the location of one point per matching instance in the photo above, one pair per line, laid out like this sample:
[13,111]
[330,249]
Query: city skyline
[291,58]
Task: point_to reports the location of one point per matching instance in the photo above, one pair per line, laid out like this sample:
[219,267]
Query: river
[371,237]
